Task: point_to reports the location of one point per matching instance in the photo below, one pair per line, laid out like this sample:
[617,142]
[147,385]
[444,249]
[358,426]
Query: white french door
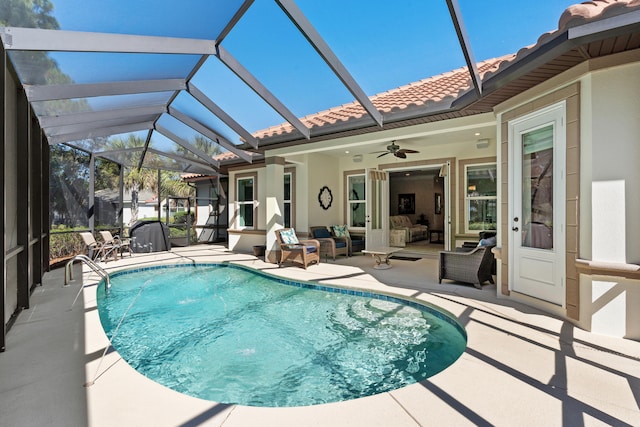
[377,217]
[537,204]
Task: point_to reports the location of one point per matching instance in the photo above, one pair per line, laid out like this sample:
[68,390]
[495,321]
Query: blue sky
[383,44]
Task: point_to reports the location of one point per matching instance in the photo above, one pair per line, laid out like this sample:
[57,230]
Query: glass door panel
[537,188]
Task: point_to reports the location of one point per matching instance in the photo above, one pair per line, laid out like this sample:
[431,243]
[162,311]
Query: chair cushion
[491,241]
[288,237]
[321,233]
[340,230]
[341,244]
[310,249]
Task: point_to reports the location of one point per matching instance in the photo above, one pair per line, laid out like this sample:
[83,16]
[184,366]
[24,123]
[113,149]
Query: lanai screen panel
[69,188]
[107,205]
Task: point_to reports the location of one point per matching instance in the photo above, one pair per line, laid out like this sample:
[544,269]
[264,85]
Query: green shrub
[181,217]
[64,243]
[182,232]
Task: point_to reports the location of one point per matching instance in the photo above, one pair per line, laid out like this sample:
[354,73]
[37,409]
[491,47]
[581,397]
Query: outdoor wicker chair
[303,252]
[330,246]
[467,267]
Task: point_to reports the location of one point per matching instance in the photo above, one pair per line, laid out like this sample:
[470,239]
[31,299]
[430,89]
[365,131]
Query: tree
[136,179]
[68,188]
[28,14]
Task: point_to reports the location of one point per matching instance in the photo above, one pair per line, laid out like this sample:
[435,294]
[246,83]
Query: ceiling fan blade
[407,151]
[383,154]
[400,154]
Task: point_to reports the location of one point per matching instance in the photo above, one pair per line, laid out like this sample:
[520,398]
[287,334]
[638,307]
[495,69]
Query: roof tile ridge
[573,16]
[593,10]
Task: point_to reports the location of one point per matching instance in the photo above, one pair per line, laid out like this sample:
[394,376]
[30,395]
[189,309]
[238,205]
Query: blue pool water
[233,335]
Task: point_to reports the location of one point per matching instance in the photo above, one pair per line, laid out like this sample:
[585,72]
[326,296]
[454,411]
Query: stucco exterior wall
[615,158]
[610,199]
[323,170]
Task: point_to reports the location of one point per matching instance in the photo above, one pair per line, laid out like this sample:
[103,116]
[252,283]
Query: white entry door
[537,205]
[377,218]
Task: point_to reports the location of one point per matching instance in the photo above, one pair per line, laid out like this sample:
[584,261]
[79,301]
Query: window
[246,190]
[289,198]
[356,202]
[480,197]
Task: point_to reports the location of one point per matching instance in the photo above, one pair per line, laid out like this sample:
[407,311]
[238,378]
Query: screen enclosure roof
[191,87]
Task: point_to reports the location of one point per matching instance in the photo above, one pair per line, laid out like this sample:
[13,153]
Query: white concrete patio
[521,367]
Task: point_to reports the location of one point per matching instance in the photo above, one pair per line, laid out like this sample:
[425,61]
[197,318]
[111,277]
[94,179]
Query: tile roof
[440,89]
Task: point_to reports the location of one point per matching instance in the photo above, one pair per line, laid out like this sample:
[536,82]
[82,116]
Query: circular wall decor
[325,198]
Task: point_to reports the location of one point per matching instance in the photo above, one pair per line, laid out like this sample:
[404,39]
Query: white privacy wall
[615,168]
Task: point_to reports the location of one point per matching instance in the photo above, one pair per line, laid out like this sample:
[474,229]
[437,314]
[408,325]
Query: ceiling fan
[396,151]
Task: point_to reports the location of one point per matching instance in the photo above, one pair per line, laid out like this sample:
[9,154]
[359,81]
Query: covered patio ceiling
[160,89]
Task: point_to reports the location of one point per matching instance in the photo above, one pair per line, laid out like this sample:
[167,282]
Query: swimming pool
[230,334]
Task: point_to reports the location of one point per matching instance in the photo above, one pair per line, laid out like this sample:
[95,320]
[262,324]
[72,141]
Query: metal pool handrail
[68,271]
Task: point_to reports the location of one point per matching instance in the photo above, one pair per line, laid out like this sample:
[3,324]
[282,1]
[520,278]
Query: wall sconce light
[472,188]
[482,143]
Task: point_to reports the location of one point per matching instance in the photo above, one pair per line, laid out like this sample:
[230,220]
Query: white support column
[274,191]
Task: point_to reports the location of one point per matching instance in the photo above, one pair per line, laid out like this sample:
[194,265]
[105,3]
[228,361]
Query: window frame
[466,200]
[362,198]
[291,201]
[253,176]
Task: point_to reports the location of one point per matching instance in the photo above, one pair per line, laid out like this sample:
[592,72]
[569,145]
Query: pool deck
[521,366]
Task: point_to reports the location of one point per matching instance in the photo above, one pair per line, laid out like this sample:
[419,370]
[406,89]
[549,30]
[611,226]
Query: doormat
[404,258]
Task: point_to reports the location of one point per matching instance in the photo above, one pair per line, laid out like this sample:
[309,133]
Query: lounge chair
[467,267]
[97,250]
[330,246]
[120,245]
[303,252]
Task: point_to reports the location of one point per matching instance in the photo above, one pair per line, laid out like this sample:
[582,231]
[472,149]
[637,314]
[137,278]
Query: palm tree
[136,179]
[145,178]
